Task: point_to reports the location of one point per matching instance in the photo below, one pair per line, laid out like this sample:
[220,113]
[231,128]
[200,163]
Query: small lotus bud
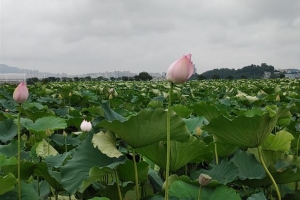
[48,132]
[204,179]
[198,131]
[24,137]
[110,96]
[21,93]
[65,134]
[86,126]
[277,98]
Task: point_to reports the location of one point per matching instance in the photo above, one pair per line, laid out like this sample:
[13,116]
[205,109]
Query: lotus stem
[216,152]
[199,193]
[19,152]
[136,176]
[268,172]
[117,182]
[168,142]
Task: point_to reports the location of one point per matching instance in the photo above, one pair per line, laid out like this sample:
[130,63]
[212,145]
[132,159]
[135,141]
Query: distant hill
[4,69]
[251,71]
[7,69]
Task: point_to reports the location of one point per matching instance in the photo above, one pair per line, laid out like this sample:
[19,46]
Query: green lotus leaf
[27,169]
[194,150]
[10,149]
[270,157]
[183,190]
[225,172]
[106,143]
[280,141]
[111,115]
[248,166]
[244,131]
[224,149]
[148,127]
[95,174]
[208,111]
[8,130]
[57,160]
[223,191]
[193,123]
[76,170]
[126,172]
[7,183]
[7,161]
[257,196]
[181,110]
[42,170]
[44,123]
[287,176]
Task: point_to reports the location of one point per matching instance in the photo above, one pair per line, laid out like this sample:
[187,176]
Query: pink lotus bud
[86,126]
[21,93]
[180,70]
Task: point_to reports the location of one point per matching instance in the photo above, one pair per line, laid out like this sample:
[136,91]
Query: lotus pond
[228,131]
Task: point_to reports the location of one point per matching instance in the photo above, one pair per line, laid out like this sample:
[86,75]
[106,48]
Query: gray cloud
[75,36]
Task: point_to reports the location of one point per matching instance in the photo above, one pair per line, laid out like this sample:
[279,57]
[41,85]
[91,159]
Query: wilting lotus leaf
[148,127]
[106,143]
[45,149]
[244,131]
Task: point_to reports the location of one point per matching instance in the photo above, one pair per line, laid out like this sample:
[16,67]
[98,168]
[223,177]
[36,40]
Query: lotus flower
[86,126]
[180,70]
[21,93]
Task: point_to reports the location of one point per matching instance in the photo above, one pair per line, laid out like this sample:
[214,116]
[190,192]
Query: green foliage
[251,71]
[236,115]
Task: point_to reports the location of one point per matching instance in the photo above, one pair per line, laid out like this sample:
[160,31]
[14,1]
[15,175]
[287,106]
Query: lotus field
[108,140]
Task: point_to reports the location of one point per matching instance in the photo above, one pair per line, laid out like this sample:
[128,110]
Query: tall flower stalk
[268,172]
[178,72]
[20,95]
[168,141]
[19,151]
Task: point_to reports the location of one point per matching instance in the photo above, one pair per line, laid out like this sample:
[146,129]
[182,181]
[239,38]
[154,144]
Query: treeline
[143,76]
[251,71]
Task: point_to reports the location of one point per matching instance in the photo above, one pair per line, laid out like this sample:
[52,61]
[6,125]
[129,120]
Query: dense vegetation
[218,128]
[251,71]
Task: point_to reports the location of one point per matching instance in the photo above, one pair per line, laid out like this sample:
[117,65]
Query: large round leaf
[44,123]
[147,128]
[7,183]
[194,150]
[8,130]
[85,157]
[244,131]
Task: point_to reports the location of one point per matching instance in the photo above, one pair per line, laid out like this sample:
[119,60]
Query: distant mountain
[7,69]
[4,69]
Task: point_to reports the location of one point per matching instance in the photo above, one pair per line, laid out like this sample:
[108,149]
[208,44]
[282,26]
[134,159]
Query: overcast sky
[87,36]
